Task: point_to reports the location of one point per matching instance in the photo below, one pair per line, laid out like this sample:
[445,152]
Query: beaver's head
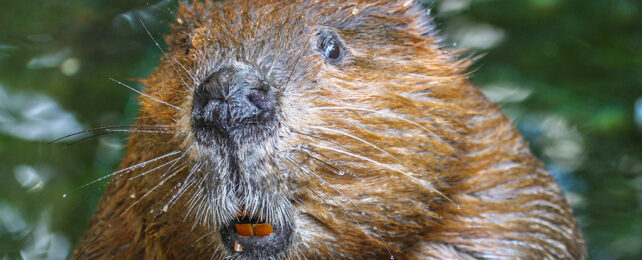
[324,127]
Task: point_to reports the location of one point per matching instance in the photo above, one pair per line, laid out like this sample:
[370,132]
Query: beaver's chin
[253,238]
[265,229]
[254,234]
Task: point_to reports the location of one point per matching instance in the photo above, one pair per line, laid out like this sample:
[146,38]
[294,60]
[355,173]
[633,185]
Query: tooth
[238,247]
[244,230]
[262,230]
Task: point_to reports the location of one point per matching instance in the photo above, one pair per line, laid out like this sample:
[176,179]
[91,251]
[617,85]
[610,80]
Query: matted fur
[390,152]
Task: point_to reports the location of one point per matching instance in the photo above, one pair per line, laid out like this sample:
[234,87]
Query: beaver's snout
[235,110]
[232,101]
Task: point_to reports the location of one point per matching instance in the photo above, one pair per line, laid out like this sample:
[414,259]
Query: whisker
[140,131]
[105,128]
[377,112]
[174,161]
[323,139]
[334,169]
[166,56]
[145,95]
[161,183]
[204,236]
[85,139]
[216,250]
[200,210]
[171,167]
[331,167]
[354,137]
[199,197]
[180,167]
[188,74]
[77,211]
[91,243]
[197,168]
[109,131]
[330,185]
[331,198]
[298,59]
[418,181]
[317,187]
[187,182]
[349,214]
[124,170]
[184,187]
[196,199]
[155,168]
[192,201]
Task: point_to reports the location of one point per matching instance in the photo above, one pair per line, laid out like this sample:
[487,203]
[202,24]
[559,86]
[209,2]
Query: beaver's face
[310,126]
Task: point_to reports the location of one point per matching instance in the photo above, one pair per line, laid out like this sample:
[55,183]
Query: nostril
[205,104]
[261,98]
[225,75]
[212,109]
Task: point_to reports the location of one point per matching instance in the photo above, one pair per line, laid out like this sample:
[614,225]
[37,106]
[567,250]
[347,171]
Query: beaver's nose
[233,99]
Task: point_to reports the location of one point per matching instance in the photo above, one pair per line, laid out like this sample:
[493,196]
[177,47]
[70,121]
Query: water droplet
[375,228]
[64,195]
[133,196]
[70,66]
[341,173]
[392,257]
[166,208]
[458,207]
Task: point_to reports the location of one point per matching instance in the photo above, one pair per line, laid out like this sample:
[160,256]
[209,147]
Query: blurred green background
[569,72]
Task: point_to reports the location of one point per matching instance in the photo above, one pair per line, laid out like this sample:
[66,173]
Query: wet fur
[391,152]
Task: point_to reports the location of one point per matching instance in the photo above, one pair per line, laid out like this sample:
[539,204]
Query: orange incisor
[249,230]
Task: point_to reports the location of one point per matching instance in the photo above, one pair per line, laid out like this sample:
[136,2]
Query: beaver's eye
[330,46]
[332,50]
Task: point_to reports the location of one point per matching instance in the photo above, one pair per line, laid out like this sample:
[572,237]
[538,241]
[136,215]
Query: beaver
[286,129]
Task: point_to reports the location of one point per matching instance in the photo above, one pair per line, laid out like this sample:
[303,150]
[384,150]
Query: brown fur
[390,153]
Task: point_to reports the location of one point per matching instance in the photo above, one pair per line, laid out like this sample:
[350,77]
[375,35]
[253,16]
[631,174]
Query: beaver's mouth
[253,237]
